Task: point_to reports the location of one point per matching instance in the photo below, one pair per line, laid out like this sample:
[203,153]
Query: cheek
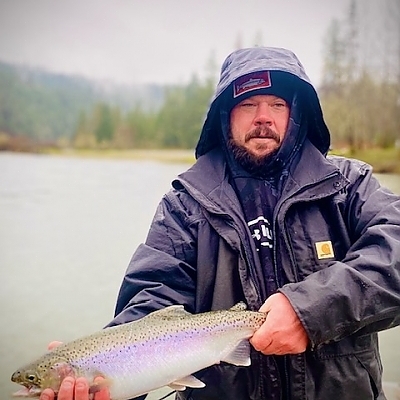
[236,133]
[282,126]
[240,122]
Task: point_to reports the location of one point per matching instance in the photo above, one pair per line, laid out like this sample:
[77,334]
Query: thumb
[272,301]
[266,307]
[53,345]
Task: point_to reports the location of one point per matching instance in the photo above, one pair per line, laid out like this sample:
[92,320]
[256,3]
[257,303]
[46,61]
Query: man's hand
[74,389]
[282,331]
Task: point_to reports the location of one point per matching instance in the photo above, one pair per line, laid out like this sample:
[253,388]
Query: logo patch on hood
[253,81]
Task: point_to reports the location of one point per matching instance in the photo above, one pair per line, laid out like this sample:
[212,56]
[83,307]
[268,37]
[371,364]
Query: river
[68,227]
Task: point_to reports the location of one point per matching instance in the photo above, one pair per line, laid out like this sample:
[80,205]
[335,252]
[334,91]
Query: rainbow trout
[163,348]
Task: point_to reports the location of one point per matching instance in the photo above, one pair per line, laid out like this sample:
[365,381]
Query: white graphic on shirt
[261,232]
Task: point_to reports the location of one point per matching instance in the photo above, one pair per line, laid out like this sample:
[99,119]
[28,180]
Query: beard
[255,164]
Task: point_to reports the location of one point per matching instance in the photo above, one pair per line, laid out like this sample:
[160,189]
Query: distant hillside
[46,106]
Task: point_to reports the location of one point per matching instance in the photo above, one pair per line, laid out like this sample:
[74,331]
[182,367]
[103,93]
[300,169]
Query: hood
[245,61]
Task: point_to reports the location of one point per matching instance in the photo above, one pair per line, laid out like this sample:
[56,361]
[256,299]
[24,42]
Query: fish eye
[31,377]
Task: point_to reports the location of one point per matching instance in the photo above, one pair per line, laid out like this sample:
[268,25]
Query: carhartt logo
[324,250]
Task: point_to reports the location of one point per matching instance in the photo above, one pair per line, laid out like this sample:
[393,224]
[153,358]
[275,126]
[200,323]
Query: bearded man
[264,216]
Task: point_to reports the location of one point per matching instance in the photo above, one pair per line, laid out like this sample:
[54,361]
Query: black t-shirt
[258,198]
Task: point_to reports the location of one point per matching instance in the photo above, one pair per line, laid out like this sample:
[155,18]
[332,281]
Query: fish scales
[163,348]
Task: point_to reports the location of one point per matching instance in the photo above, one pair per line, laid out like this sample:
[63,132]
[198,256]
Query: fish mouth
[28,392]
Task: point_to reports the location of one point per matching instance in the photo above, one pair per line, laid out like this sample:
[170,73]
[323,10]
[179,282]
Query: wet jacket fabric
[336,238]
[195,255]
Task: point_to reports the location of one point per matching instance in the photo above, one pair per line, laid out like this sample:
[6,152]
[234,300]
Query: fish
[164,348]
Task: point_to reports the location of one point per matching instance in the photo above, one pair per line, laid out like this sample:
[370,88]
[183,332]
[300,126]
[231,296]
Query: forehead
[262,97]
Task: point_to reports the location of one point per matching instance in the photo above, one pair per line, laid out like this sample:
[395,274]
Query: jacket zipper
[291,201]
[247,258]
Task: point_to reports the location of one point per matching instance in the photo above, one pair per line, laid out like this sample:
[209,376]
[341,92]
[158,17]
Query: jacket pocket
[316,235]
[345,371]
[373,368]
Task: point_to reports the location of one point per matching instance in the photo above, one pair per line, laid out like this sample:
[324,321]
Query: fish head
[28,378]
[48,372]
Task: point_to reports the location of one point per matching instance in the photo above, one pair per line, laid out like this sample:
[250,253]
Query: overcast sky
[158,41]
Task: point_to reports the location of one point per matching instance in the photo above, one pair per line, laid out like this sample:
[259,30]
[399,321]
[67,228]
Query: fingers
[66,391]
[53,344]
[104,393]
[81,389]
[47,394]
[282,331]
[78,389]
[69,390]
[262,339]
[266,307]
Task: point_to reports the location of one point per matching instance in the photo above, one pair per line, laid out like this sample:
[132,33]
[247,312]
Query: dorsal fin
[175,311]
[241,306]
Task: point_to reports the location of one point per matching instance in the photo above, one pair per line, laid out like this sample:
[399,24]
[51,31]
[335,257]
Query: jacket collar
[312,175]
[207,180]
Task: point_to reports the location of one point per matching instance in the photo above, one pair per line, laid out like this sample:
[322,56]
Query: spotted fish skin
[163,348]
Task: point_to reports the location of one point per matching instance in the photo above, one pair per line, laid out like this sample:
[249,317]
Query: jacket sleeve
[360,293]
[162,270]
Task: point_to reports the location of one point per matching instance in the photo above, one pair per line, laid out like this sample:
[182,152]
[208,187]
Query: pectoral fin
[240,355]
[187,381]
[98,384]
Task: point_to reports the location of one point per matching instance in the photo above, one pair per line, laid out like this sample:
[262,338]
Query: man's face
[258,125]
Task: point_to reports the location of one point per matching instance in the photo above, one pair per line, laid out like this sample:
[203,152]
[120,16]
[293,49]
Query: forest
[359,93]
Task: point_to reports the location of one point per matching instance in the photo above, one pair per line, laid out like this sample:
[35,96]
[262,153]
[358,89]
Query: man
[264,216]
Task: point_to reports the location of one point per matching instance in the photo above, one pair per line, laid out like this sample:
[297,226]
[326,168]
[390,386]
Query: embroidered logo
[253,81]
[324,250]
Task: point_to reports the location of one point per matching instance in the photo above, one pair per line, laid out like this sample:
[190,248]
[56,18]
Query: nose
[16,376]
[263,114]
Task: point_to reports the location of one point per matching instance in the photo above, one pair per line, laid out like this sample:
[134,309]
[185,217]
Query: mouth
[262,134]
[28,392]
[261,138]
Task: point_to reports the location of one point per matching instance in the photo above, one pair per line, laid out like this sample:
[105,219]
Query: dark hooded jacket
[199,253]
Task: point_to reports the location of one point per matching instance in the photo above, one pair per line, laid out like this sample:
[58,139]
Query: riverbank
[382,160]
[164,155]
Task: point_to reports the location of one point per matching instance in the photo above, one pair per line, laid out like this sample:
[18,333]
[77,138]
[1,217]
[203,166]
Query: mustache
[262,132]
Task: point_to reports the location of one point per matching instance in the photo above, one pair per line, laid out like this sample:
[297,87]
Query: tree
[180,119]
[360,91]
[333,60]
[104,125]
[142,128]
[84,136]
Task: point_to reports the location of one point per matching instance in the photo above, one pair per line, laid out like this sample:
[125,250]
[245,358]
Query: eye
[31,377]
[247,106]
[279,104]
